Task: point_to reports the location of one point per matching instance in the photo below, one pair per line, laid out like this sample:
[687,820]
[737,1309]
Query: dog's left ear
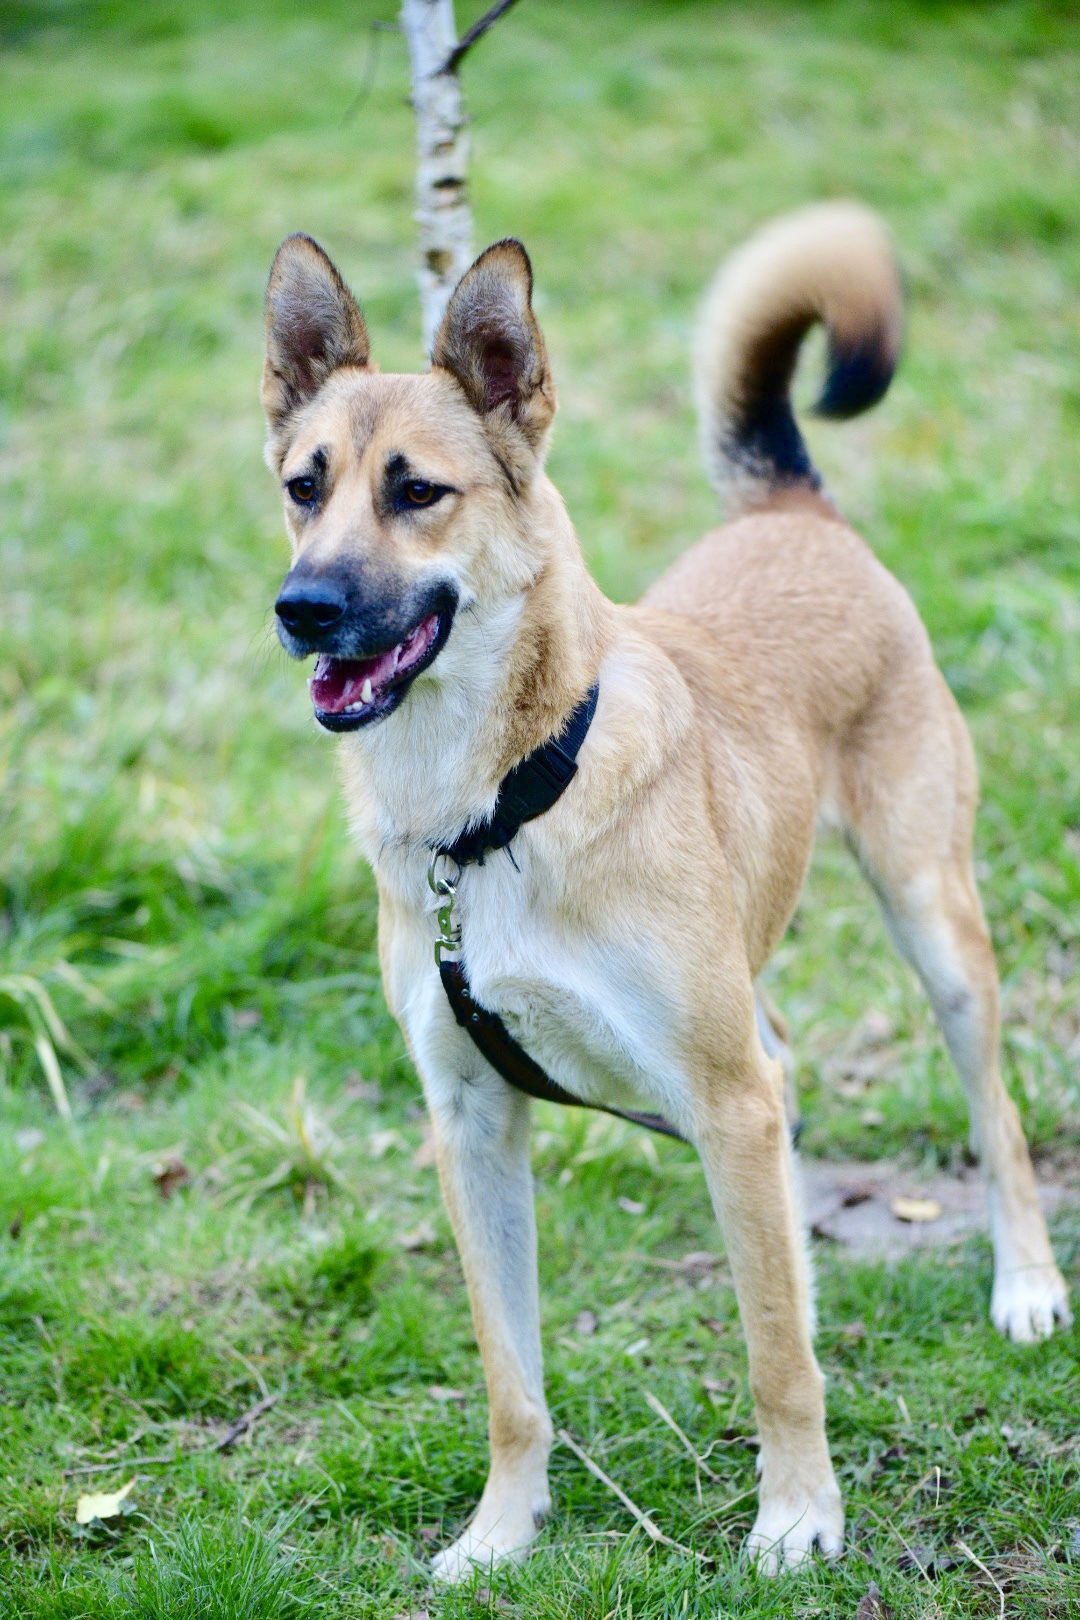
[313,326]
[490,342]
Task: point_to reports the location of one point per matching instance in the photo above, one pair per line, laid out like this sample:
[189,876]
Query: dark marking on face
[509,480]
[307,488]
[404,489]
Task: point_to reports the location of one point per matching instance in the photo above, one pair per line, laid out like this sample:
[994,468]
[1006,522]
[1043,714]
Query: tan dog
[776,675]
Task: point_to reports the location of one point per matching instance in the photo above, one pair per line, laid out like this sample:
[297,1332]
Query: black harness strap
[507,1057]
[532,787]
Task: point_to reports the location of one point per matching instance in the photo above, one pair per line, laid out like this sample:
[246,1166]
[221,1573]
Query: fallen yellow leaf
[916,1209]
[101,1504]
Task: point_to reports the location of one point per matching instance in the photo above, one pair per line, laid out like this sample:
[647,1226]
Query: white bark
[442,203]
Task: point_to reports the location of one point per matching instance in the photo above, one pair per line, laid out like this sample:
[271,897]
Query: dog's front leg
[482,1140]
[743,1140]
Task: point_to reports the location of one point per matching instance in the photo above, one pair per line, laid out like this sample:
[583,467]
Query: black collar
[528,790]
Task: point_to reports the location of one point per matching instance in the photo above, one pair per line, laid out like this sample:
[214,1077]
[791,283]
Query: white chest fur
[590,1006]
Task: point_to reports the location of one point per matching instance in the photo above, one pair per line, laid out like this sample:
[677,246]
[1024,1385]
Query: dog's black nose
[308,608]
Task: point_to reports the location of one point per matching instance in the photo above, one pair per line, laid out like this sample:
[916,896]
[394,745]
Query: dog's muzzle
[373,637]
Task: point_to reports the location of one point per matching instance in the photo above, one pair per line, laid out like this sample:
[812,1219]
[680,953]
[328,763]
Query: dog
[777,676]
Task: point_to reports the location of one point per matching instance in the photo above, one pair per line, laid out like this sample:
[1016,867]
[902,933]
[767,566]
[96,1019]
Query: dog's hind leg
[742,1136]
[482,1143]
[910,795]
[775,1037]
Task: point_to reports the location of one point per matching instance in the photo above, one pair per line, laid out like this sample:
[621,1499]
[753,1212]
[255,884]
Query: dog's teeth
[365,691]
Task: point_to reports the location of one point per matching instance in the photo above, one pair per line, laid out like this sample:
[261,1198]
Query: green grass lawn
[177,888]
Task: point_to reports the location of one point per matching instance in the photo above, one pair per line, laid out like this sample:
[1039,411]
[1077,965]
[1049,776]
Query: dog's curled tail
[831,263]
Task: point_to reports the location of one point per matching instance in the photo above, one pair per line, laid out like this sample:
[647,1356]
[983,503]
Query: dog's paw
[787,1532]
[468,1553]
[492,1538]
[1028,1301]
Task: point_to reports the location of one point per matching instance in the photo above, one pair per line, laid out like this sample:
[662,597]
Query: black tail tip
[858,376]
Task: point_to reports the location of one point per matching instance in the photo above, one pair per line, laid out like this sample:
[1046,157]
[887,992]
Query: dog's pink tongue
[337,683]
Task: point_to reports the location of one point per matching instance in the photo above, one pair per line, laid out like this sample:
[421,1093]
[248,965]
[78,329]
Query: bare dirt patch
[852,1203]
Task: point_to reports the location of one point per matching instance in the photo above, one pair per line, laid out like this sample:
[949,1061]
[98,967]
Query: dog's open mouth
[351,692]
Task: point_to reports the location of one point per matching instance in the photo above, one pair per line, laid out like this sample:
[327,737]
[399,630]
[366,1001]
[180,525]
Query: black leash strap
[532,787]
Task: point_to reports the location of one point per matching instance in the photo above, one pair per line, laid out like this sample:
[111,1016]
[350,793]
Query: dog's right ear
[313,326]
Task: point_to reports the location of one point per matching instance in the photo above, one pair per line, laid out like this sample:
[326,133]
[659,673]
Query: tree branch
[650,1527]
[244,1422]
[471,35]
[371,67]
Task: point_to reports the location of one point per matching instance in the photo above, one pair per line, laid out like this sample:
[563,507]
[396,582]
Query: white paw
[787,1532]
[492,1538]
[1028,1300]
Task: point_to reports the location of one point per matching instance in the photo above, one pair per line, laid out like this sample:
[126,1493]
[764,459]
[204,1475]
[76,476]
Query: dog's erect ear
[313,326]
[490,342]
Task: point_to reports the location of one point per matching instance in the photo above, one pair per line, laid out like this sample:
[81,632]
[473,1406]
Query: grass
[184,931]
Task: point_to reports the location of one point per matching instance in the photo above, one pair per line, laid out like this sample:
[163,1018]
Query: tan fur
[777,673]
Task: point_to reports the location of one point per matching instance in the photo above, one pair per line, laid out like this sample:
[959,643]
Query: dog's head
[406,497]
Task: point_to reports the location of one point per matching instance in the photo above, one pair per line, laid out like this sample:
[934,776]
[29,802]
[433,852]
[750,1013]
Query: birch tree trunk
[442,202]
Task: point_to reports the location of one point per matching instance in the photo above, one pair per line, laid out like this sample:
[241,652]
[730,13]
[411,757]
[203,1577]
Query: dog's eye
[420,493]
[302,490]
